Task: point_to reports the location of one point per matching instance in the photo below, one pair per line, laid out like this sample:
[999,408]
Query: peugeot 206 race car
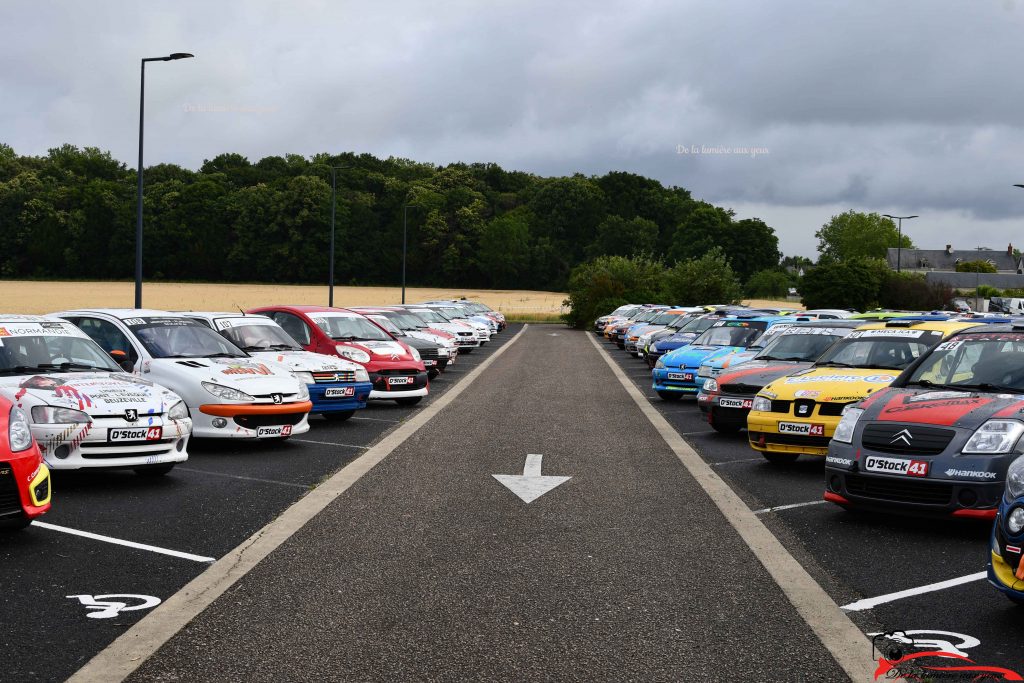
[85,411]
[797,414]
[670,339]
[228,393]
[395,370]
[337,387]
[675,373]
[24,478]
[940,439]
[1005,565]
[727,399]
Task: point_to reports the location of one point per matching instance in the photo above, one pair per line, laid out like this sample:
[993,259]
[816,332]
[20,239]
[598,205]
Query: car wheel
[154,470]
[14,524]
[339,416]
[726,427]
[409,400]
[781,458]
[669,395]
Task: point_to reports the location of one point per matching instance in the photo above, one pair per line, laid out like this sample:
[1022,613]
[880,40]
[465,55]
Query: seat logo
[131,415]
[803,410]
[905,436]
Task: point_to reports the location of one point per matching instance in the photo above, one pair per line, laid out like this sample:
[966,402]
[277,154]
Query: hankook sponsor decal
[974,474]
[834,460]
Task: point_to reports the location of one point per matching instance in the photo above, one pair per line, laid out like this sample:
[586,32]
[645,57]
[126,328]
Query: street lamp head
[179,55]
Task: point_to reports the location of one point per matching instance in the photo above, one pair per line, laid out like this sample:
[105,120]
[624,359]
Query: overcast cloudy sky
[895,106]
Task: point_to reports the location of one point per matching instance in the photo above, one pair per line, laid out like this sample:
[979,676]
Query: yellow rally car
[797,414]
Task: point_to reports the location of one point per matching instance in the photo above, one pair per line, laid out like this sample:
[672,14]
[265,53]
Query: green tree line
[71,214]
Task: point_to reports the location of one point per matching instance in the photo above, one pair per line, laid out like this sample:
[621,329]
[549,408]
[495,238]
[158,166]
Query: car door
[110,337]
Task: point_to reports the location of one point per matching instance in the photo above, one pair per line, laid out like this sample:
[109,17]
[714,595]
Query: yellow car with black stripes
[797,414]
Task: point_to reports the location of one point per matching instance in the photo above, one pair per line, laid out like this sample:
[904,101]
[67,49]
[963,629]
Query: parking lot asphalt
[429,568]
[204,508]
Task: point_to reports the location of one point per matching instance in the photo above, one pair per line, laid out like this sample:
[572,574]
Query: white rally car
[465,336]
[84,410]
[229,394]
[337,386]
[459,315]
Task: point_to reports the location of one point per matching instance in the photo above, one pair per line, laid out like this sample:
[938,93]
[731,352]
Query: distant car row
[921,414]
[128,388]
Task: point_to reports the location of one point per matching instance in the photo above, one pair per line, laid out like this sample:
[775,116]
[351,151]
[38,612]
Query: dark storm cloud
[888,106]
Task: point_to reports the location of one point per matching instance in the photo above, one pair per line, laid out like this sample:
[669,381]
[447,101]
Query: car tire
[781,458]
[338,416]
[154,470]
[669,395]
[409,400]
[726,428]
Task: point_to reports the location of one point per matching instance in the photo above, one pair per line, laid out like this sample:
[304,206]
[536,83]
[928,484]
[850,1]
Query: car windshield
[349,328]
[981,362]
[385,323]
[406,321]
[731,334]
[431,316]
[664,319]
[181,338]
[888,349]
[45,350]
[698,325]
[264,335]
[800,344]
[451,313]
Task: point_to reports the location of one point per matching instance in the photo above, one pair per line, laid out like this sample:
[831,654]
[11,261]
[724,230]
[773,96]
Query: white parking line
[375,419]
[789,507]
[331,443]
[730,462]
[118,541]
[305,487]
[868,603]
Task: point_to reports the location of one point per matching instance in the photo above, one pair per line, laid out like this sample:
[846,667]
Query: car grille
[740,388]
[900,490]
[100,450]
[430,353]
[330,377]
[780,406]
[831,409]
[792,439]
[922,441]
[254,421]
[10,501]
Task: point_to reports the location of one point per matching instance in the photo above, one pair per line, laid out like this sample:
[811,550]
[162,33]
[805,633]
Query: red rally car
[396,369]
[24,479]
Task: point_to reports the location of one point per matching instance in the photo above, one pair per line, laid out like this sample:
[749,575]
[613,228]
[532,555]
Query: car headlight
[179,411]
[844,430]
[994,437]
[1015,478]
[1015,522]
[661,363]
[415,354]
[710,386]
[362,375]
[762,404]
[19,435]
[303,392]
[352,354]
[226,393]
[304,377]
[55,415]
[705,371]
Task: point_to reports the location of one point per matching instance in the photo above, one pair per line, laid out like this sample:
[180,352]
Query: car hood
[254,376]
[383,350]
[307,361]
[728,360]
[756,374]
[99,393]
[692,356]
[679,338]
[830,384]
[947,408]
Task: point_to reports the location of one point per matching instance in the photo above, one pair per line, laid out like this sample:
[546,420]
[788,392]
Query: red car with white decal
[396,370]
[24,479]
[939,440]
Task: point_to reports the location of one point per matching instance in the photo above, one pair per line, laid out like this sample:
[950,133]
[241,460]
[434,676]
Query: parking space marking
[129,544]
[305,487]
[869,603]
[375,419]
[331,443]
[777,508]
[730,462]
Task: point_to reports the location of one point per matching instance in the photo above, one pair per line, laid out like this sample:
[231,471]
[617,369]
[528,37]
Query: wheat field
[24,296]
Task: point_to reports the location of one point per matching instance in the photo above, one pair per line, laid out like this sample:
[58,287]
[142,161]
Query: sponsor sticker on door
[272,432]
[802,428]
[909,468]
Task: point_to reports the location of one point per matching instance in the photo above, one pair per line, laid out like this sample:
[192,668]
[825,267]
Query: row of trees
[71,214]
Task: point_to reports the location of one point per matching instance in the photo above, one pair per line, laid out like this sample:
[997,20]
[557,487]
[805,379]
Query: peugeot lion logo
[131,415]
[905,436]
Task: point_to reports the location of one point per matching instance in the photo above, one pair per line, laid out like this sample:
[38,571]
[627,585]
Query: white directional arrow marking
[530,485]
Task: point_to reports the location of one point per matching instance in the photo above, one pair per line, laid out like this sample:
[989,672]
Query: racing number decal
[154,433]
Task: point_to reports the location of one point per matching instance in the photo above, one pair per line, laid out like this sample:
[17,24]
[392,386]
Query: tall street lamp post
[899,239]
[330,267]
[138,199]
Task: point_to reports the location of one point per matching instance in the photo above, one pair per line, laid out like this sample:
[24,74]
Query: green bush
[705,280]
[987,291]
[599,286]
[975,267]
[855,283]
[910,291]
[768,284]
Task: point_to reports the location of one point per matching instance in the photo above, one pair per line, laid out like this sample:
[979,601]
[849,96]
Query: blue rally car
[676,373]
[1005,565]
